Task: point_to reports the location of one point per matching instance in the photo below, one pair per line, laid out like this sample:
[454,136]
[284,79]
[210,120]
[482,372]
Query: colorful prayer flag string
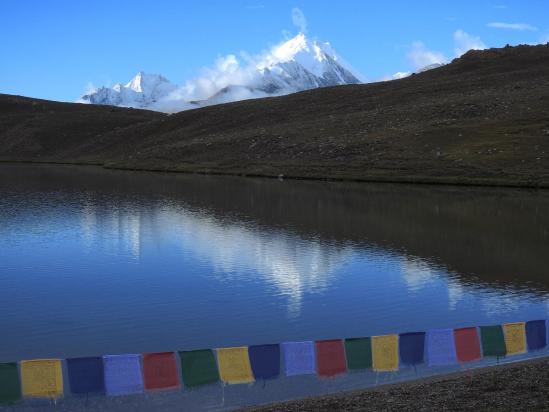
[134,373]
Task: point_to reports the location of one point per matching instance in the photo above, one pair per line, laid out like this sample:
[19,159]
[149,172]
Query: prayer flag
[299,358]
[234,365]
[536,334]
[385,353]
[493,342]
[198,367]
[160,371]
[467,344]
[441,347]
[358,352]
[123,374]
[411,347]
[86,375]
[515,338]
[330,358]
[42,378]
[10,388]
[547,330]
[265,360]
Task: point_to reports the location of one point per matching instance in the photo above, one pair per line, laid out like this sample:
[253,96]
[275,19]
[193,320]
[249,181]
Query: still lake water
[97,262]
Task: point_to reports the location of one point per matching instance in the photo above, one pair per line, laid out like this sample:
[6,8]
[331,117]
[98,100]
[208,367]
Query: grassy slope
[42,130]
[481,119]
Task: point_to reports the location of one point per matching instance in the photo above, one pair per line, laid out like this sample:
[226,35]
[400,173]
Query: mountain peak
[294,65]
[143,82]
[300,49]
[142,91]
[289,49]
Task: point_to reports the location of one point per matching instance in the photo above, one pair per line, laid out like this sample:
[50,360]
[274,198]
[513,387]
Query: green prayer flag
[10,388]
[358,352]
[493,341]
[198,367]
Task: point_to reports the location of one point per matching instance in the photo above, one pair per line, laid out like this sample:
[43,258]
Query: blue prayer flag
[265,361]
[536,334]
[123,374]
[547,330]
[411,347]
[299,358]
[441,347]
[86,375]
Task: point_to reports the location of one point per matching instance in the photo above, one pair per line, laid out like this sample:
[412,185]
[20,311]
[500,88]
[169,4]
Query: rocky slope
[482,119]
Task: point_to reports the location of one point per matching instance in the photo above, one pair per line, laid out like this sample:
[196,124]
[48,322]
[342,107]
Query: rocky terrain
[513,387]
[483,119]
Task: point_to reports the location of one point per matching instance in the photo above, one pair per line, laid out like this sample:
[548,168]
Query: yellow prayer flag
[515,337]
[42,378]
[234,365]
[385,353]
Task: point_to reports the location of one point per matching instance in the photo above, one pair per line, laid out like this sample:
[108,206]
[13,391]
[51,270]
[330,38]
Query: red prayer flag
[467,344]
[330,358]
[160,371]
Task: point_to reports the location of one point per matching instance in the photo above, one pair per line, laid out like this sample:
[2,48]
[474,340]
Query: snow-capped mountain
[144,90]
[295,65]
[301,64]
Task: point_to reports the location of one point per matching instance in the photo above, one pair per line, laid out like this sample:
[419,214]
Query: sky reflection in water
[95,262]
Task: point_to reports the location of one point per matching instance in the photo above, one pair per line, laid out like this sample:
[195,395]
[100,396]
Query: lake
[96,262]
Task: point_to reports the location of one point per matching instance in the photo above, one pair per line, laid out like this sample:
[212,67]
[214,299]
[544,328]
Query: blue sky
[54,49]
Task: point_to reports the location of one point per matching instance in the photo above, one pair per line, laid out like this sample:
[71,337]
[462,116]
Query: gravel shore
[522,386]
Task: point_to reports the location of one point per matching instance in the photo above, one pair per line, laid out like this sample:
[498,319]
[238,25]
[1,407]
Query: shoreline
[520,385]
[416,180]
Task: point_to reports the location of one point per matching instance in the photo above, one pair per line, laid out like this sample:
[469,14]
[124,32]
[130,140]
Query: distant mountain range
[144,90]
[295,65]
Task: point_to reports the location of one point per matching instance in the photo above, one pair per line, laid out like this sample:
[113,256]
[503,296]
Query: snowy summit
[144,90]
[295,65]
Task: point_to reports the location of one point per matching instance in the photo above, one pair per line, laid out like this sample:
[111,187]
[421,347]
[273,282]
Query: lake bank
[414,180]
[517,386]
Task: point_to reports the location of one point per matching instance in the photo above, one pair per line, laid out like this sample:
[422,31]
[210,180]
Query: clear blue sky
[52,49]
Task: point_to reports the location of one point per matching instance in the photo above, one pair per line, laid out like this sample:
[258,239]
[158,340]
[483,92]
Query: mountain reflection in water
[125,261]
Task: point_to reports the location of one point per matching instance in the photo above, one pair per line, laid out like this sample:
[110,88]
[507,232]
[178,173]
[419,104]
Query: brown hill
[482,119]
[42,130]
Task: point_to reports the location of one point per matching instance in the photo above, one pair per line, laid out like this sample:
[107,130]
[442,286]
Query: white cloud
[90,88]
[500,6]
[394,76]
[512,26]
[463,42]
[299,20]
[400,75]
[420,56]
[228,71]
